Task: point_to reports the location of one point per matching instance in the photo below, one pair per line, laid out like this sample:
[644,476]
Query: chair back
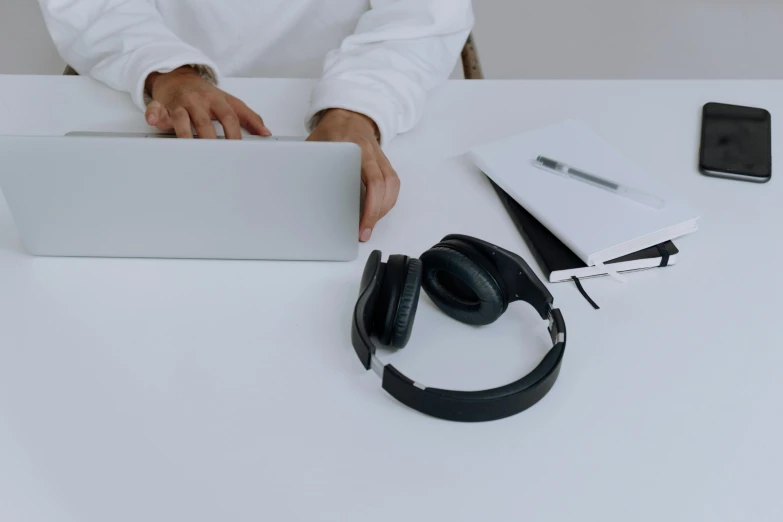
[471,65]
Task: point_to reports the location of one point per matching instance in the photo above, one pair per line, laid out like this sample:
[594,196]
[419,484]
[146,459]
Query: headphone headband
[470,406]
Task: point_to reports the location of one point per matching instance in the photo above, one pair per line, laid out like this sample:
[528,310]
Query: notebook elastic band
[664,255]
[584,294]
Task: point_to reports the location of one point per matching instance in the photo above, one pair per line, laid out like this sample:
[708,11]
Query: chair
[471,65]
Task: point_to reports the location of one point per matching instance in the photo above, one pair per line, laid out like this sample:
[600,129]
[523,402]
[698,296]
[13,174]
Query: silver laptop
[109,195]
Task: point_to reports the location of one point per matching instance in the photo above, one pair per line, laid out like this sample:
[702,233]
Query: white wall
[630,38]
[25,46]
[550,38]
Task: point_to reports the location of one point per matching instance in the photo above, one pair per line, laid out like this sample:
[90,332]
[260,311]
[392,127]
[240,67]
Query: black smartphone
[736,142]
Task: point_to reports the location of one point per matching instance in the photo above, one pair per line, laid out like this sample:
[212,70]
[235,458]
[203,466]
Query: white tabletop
[163,390]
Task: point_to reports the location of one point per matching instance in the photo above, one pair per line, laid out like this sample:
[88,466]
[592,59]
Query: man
[376,60]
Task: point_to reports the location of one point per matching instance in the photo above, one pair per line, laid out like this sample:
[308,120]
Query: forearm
[118,42]
[400,50]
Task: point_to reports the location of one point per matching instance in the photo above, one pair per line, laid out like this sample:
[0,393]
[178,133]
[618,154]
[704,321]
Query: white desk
[152,390]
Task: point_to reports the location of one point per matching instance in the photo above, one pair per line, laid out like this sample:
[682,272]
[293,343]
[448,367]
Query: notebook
[560,264]
[596,225]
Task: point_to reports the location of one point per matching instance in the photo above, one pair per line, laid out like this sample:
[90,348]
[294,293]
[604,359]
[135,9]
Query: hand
[182,99]
[378,176]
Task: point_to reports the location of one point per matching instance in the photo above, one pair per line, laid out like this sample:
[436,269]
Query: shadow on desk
[12,247]
[9,238]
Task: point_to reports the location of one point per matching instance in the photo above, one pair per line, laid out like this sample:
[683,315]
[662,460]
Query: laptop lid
[168,198]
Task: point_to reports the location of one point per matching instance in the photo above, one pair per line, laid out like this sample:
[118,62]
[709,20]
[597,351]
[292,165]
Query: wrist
[156,78]
[359,121]
[149,83]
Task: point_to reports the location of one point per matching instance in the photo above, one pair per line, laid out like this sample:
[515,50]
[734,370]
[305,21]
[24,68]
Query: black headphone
[473,282]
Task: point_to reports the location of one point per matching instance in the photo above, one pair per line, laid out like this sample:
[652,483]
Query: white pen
[562,169]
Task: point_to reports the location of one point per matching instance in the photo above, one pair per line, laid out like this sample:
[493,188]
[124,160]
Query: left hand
[378,176]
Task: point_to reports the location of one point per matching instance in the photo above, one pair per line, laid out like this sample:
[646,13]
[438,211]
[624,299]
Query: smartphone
[736,142]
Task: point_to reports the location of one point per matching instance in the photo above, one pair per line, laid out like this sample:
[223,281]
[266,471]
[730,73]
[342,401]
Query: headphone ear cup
[464,288]
[406,309]
[389,297]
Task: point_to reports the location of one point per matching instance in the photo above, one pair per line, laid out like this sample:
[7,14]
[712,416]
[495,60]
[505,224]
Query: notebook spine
[508,205]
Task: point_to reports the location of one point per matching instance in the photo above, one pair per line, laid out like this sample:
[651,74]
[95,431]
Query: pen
[562,169]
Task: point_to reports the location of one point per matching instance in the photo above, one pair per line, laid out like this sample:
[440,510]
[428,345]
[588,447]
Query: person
[375,59]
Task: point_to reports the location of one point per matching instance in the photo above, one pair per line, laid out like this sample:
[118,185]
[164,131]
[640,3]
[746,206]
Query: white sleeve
[400,50]
[119,42]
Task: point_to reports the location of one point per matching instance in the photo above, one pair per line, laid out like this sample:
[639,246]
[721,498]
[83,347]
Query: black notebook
[559,263]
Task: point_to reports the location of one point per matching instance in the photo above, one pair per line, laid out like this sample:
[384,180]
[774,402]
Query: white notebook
[595,224]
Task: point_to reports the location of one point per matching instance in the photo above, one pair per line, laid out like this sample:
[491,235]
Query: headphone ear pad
[406,309]
[462,288]
[389,297]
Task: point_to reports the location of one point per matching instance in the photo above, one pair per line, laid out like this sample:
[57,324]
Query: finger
[153,113]
[165,122]
[228,119]
[248,118]
[373,199]
[203,123]
[181,120]
[392,182]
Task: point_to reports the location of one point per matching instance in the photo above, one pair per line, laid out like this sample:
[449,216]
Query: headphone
[473,282]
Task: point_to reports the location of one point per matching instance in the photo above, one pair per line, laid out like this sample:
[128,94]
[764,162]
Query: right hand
[182,99]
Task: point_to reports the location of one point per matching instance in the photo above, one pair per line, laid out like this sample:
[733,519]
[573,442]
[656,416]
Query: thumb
[153,113]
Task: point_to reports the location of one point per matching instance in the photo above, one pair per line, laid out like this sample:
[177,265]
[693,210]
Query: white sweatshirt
[376,57]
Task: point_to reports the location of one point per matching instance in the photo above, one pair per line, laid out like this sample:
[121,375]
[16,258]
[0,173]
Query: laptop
[124,195]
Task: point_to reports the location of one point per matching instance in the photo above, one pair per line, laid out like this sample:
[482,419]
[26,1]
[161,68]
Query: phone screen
[736,141]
